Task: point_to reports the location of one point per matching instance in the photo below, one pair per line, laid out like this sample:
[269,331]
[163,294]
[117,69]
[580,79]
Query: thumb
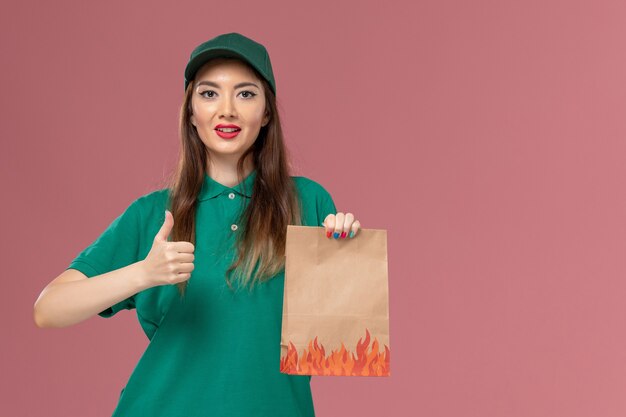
[166,228]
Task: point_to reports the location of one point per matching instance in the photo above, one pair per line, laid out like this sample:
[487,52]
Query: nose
[227,107]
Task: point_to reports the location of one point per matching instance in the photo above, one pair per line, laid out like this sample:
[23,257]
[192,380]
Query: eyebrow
[212,84]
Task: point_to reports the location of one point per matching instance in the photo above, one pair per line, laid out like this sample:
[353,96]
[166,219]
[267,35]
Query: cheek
[258,116]
[202,114]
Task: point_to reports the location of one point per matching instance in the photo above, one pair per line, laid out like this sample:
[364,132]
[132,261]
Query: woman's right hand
[168,262]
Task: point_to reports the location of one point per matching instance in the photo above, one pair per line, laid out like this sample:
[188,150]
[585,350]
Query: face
[227,92]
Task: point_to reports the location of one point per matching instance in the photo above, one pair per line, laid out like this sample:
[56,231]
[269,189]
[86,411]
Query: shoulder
[151,204]
[151,198]
[308,187]
[317,203]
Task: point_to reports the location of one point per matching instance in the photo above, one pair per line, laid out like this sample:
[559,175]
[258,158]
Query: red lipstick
[232,130]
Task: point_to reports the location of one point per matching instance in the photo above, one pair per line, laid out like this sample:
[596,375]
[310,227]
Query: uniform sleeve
[325,205]
[115,248]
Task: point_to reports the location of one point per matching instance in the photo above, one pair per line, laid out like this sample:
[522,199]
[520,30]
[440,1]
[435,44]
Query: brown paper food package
[336,304]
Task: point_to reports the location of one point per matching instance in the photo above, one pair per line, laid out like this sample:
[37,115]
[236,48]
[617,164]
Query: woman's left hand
[341,225]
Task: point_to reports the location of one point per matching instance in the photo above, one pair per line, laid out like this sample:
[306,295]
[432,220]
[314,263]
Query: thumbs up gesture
[168,262]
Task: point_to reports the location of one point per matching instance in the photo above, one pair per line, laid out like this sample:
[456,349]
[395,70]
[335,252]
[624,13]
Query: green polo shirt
[215,352]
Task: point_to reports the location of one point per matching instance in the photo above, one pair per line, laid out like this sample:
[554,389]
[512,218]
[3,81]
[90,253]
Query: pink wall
[487,137]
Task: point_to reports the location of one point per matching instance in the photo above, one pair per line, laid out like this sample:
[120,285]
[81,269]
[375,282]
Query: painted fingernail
[351,234]
[328,233]
[343,235]
[336,235]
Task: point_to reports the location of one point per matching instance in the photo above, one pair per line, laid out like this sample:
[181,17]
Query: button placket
[231,196]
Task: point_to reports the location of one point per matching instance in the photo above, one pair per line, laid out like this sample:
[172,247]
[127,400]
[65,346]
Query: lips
[233,130]
[227,126]
[227,135]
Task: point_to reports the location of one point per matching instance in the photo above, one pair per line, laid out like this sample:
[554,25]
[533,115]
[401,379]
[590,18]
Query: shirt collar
[211,188]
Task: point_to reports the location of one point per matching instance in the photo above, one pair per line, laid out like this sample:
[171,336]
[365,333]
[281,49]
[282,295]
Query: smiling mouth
[224,134]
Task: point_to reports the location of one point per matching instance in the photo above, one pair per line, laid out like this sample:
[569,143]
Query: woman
[218,228]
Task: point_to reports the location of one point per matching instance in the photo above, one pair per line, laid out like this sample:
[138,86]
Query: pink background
[487,137]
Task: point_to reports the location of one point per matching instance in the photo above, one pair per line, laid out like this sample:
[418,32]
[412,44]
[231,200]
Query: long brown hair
[274,203]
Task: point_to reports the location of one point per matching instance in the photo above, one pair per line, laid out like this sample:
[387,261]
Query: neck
[225,171]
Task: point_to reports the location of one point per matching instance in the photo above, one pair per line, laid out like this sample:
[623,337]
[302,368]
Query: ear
[266,119]
[193,120]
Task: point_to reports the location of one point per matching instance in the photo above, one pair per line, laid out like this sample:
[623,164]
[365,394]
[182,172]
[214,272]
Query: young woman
[202,261]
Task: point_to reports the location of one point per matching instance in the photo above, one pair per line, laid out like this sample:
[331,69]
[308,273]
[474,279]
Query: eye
[251,94]
[206,91]
[248,94]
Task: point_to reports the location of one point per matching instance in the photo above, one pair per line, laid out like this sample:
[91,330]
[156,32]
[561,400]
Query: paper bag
[336,304]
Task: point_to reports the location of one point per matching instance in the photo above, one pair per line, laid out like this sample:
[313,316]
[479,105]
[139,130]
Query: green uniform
[215,352]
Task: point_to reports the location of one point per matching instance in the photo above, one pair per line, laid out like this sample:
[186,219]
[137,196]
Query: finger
[356,225]
[339,219]
[166,227]
[182,247]
[185,267]
[185,257]
[329,224]
[347,224]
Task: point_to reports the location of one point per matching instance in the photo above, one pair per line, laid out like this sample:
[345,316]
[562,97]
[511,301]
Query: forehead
[225,68]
